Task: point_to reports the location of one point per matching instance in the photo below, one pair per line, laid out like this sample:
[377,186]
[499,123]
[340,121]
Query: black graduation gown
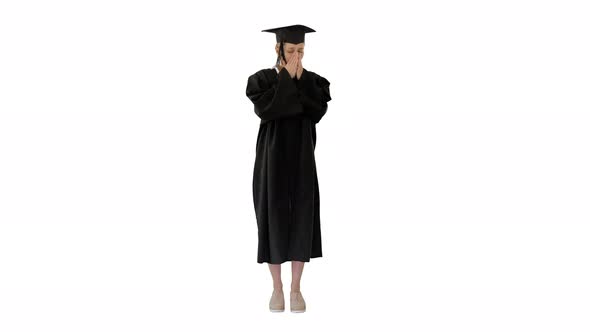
[285,185]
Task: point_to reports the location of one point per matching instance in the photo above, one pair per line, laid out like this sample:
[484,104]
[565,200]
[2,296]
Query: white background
[453,166]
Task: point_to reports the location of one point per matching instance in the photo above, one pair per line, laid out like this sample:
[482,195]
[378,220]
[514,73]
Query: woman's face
[290,50]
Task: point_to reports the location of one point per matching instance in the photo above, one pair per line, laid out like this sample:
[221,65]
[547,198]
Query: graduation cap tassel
[283,52]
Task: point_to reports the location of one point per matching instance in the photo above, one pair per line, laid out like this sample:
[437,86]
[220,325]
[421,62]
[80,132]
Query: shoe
[297,302]
[277,301]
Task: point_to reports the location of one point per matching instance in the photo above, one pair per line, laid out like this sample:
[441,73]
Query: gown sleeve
[274,101]
[314,94]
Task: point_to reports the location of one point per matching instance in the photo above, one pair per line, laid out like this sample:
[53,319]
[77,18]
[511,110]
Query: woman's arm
[314,94]
[274,101]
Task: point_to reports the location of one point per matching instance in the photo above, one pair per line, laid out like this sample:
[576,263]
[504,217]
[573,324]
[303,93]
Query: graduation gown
[285,185]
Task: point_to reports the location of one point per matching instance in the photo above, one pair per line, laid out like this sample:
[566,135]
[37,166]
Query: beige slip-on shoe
[297,302]
[277,301]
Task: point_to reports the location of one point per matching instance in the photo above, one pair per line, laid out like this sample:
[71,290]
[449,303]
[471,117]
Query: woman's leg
[275,271]
[296,271]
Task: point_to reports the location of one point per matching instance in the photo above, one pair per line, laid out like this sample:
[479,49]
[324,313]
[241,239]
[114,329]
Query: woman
[290,101]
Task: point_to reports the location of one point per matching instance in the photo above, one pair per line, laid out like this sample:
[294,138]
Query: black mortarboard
[294,34]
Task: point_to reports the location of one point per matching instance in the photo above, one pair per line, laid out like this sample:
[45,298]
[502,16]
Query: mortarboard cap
[294,34]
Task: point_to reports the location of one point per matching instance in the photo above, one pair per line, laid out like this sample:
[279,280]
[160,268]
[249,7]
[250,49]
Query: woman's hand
[299,67]
[292,64]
